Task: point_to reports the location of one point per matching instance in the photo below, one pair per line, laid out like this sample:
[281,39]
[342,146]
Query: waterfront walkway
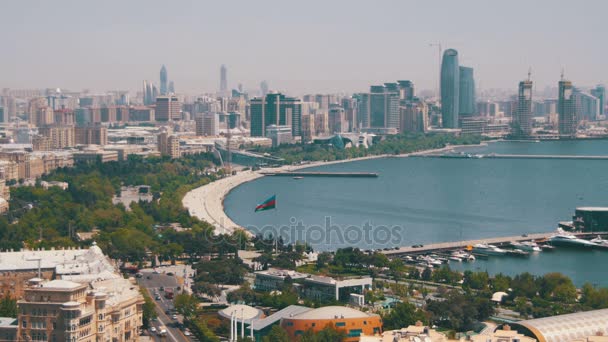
[511,156]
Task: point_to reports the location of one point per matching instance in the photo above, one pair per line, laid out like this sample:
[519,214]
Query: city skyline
[499,52]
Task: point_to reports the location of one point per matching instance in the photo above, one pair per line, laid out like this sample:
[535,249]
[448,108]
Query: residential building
[168,108]
[413,116]
[566,109]
[275,109]
[450,85]
[141,113]
[60,136]
[406,90]
[380,107]
[168,144]
[208,124]
[308,127]
[95,155]
[91,135]
[587,106]
[321,121]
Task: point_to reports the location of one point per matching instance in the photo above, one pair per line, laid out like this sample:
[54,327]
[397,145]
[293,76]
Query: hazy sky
[298,46]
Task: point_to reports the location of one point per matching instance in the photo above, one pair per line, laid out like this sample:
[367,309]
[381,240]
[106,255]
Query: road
[153,282]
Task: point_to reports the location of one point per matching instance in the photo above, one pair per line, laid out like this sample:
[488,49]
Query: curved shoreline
[207,201]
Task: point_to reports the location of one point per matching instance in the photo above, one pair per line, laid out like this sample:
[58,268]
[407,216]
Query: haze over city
[317,46]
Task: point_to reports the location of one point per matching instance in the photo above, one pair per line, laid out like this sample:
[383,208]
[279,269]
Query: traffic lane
[151,280]
[164,321]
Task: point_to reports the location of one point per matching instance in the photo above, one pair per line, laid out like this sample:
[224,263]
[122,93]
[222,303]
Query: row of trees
[393,144]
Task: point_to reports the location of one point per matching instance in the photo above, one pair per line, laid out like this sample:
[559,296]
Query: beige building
[60,136]
[168,144]
[87,301]
[93,155]
[321,124]
[413,333]
[8,170]
[308,127]
[168,108]
[41,143]
[91,135]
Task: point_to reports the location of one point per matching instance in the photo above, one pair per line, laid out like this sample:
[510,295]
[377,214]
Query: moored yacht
[600,242]
[566,239]
[527,246]
[486,249]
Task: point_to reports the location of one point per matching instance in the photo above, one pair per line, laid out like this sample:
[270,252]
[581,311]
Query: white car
[153,329]
[187,333]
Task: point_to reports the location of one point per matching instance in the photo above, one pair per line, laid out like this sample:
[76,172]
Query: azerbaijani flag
[270,203]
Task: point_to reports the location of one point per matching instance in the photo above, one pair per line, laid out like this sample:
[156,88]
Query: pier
[499,241]
[510,156]
[320,174]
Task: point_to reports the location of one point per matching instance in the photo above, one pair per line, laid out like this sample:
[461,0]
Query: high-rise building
[167,108]
[413,116]
[171,88]
[406,90]
[336,121]
[587,106]
[522,121]
[168,143]
[208,124]
[223,80]
[600,93]
[275,109]
[308,127]
[163,80]
[91,135]
[60,136]
[566,109]
[350,112]
[264,88]
[380,107]
[450,84]
[466,91]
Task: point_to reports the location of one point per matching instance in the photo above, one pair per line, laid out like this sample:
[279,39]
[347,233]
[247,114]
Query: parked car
[153,329]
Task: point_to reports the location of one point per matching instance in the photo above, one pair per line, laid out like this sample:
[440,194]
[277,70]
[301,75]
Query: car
[155,272]
[167,312]
[187,332]
[174,317]
[148,277]
[139,275]
[157,297]
[417,246]
[170,273]
[153,329]
[162,288]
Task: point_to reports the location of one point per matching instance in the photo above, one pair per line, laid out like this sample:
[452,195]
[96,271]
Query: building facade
[466,92]
[168,108]
[450,85]
[522,122]
[275,109]
[566,109]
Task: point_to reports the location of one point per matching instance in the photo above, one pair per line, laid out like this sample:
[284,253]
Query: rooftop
[332,312]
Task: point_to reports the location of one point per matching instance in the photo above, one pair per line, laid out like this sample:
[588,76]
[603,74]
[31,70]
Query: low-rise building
[413,333]
[502,335]
[95,155]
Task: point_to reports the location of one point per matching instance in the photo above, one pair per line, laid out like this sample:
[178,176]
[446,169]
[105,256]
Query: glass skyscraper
[522,123]
[450,83]
[466,91]
[275,109]
[163,80]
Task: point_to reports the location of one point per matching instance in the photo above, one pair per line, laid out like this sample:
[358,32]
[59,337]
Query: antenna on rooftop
[529,73]
[562,75]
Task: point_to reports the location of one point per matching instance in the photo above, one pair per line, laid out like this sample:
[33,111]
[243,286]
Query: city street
[153,283]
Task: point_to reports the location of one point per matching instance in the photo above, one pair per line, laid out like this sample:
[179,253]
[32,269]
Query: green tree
[8,306]
[403,314]
[187,305]
[276,334]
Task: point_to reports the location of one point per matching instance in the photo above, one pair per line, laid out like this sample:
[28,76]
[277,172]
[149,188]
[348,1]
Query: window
[289,324]
[299,332]
[355,333]
[340,324]
[23,323]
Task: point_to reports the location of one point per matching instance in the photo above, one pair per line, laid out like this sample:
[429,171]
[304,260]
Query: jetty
[510,156]
[319,174]
[498,241]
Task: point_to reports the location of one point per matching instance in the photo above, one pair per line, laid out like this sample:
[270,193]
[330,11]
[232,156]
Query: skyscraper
[522,122]
[380,107]
[450,83]
[168,108]
[163,80]
[264,88]
[566,109]
[275,109]
[223,80]
[171,88]
[466,101]
[600,93]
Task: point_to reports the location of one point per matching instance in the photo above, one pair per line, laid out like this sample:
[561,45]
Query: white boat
[455,258]
[566,239]
[471,257]
[527,246]
[600,242]
[486,249]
